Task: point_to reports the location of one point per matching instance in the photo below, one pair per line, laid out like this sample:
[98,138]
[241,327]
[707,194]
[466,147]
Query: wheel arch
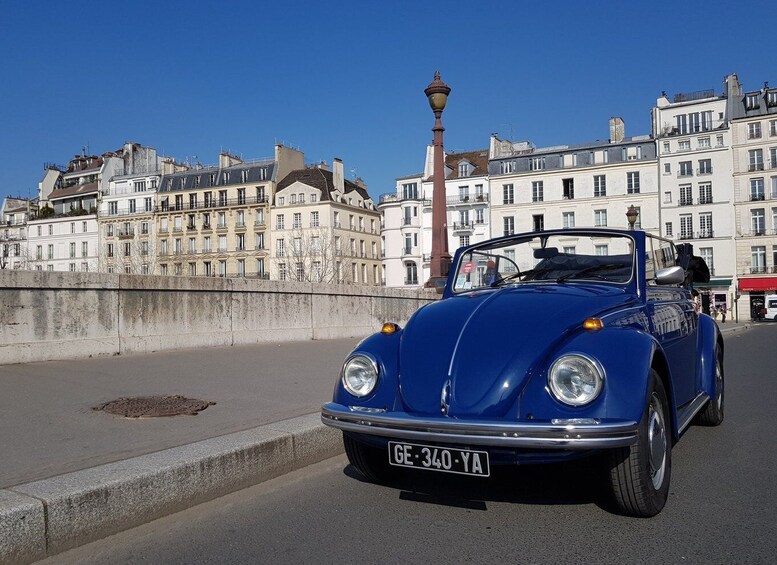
[660,365]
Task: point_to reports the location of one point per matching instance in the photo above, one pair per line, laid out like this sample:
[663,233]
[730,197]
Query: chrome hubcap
[657,441]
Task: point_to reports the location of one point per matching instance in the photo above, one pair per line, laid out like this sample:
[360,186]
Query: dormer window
[751,101]
[463,169]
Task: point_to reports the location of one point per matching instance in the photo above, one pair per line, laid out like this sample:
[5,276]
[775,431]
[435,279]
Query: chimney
[617,130]
[337,174]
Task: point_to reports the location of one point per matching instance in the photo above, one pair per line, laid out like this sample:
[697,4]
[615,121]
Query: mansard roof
[321,179]
[187,180]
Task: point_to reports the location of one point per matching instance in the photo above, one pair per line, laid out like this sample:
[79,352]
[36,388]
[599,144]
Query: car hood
[483,346]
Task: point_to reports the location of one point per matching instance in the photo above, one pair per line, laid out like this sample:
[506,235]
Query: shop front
[753,291]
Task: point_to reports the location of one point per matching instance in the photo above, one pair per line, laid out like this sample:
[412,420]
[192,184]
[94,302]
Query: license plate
[446,459]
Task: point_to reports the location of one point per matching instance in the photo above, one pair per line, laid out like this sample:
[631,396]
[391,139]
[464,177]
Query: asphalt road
[721,507]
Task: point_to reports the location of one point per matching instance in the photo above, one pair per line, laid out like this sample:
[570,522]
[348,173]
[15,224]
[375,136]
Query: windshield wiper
[592,271]
[518,275]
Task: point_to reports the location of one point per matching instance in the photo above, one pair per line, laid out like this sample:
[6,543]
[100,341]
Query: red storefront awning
[761,283]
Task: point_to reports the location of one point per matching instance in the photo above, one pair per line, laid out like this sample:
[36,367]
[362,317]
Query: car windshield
[567,257]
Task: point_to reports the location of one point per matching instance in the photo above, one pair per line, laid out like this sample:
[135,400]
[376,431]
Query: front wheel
[371,462]
[640,473]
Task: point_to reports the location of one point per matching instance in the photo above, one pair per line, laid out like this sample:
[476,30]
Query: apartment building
[63,235]
[212,220]
[693,141]
[14,214]
[325,228]
[753,117]
[127,241]
[565,186]
[407,215]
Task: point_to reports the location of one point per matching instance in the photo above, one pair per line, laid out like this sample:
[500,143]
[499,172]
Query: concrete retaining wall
[55,315]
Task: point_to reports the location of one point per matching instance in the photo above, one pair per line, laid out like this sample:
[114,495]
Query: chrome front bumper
[540,435]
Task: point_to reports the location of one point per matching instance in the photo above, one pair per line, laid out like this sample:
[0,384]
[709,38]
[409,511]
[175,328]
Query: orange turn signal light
[389,328]
[593,324]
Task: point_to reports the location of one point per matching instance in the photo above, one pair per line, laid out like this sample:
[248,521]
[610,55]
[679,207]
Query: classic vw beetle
[545,346]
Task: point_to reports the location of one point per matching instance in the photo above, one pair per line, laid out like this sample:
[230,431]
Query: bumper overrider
[568,434]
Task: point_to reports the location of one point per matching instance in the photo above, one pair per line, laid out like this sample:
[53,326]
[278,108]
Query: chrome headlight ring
[360,374]
[575,379]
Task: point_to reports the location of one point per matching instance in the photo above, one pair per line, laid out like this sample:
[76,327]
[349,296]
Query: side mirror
[670,275]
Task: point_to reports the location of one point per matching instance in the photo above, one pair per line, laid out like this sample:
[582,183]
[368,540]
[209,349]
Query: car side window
[659,254]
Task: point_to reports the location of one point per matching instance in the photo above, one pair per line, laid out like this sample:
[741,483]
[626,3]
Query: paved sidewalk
[48,426]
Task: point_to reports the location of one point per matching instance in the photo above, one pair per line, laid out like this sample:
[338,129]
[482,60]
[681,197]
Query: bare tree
[315,255]
[131,256]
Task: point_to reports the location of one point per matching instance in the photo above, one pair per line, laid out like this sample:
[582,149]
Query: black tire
[640,473]
[371,462]
[712,415]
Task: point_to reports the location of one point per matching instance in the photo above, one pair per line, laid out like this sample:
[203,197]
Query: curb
[47,517]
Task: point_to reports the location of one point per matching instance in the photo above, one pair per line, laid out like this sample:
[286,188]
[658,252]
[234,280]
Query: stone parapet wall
[61,315]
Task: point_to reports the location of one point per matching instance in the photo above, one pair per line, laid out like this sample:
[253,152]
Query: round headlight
[360,375]
[575,379]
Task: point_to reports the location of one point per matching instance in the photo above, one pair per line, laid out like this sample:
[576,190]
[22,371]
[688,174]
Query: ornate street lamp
[631,215]
[437,93]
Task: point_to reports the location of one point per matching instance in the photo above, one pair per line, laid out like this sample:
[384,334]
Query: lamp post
[631,216]
[437,93]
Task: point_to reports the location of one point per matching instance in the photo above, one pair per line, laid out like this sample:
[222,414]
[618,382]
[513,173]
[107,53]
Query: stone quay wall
[47,315]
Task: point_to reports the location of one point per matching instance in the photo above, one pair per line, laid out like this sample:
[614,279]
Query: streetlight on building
[437,93]
[631,216]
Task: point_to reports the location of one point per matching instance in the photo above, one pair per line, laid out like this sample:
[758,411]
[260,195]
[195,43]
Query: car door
[673,320]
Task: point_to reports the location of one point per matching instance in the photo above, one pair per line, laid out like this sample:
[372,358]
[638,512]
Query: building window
[758,221]
[632,183]
[706,254]
[464,194]
[297,220]
[758,259]
[667,197]
[705,193]
[411,273]
[506,167]
[409,191]
[686,226]
[602,250]
[509,225]
[686,195]
[756,189]
[751,101]
[668,229]
[703,142]
[756,160]
[314,219]
[568,187]
[538,222]
[463,241]
[84,249]
[280,222]
[537,163]
[686,169]
[537,191]
[773,128]
[600,218]
[72,250]
[705,225]
[463,169]
[754,130]
[600,185]
[507,194]
[705,166]
[568,219]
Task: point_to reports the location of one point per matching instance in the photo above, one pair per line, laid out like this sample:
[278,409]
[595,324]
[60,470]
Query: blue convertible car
[546,346]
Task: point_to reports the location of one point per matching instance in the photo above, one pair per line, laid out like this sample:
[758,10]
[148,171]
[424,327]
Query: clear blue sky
[346,79]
